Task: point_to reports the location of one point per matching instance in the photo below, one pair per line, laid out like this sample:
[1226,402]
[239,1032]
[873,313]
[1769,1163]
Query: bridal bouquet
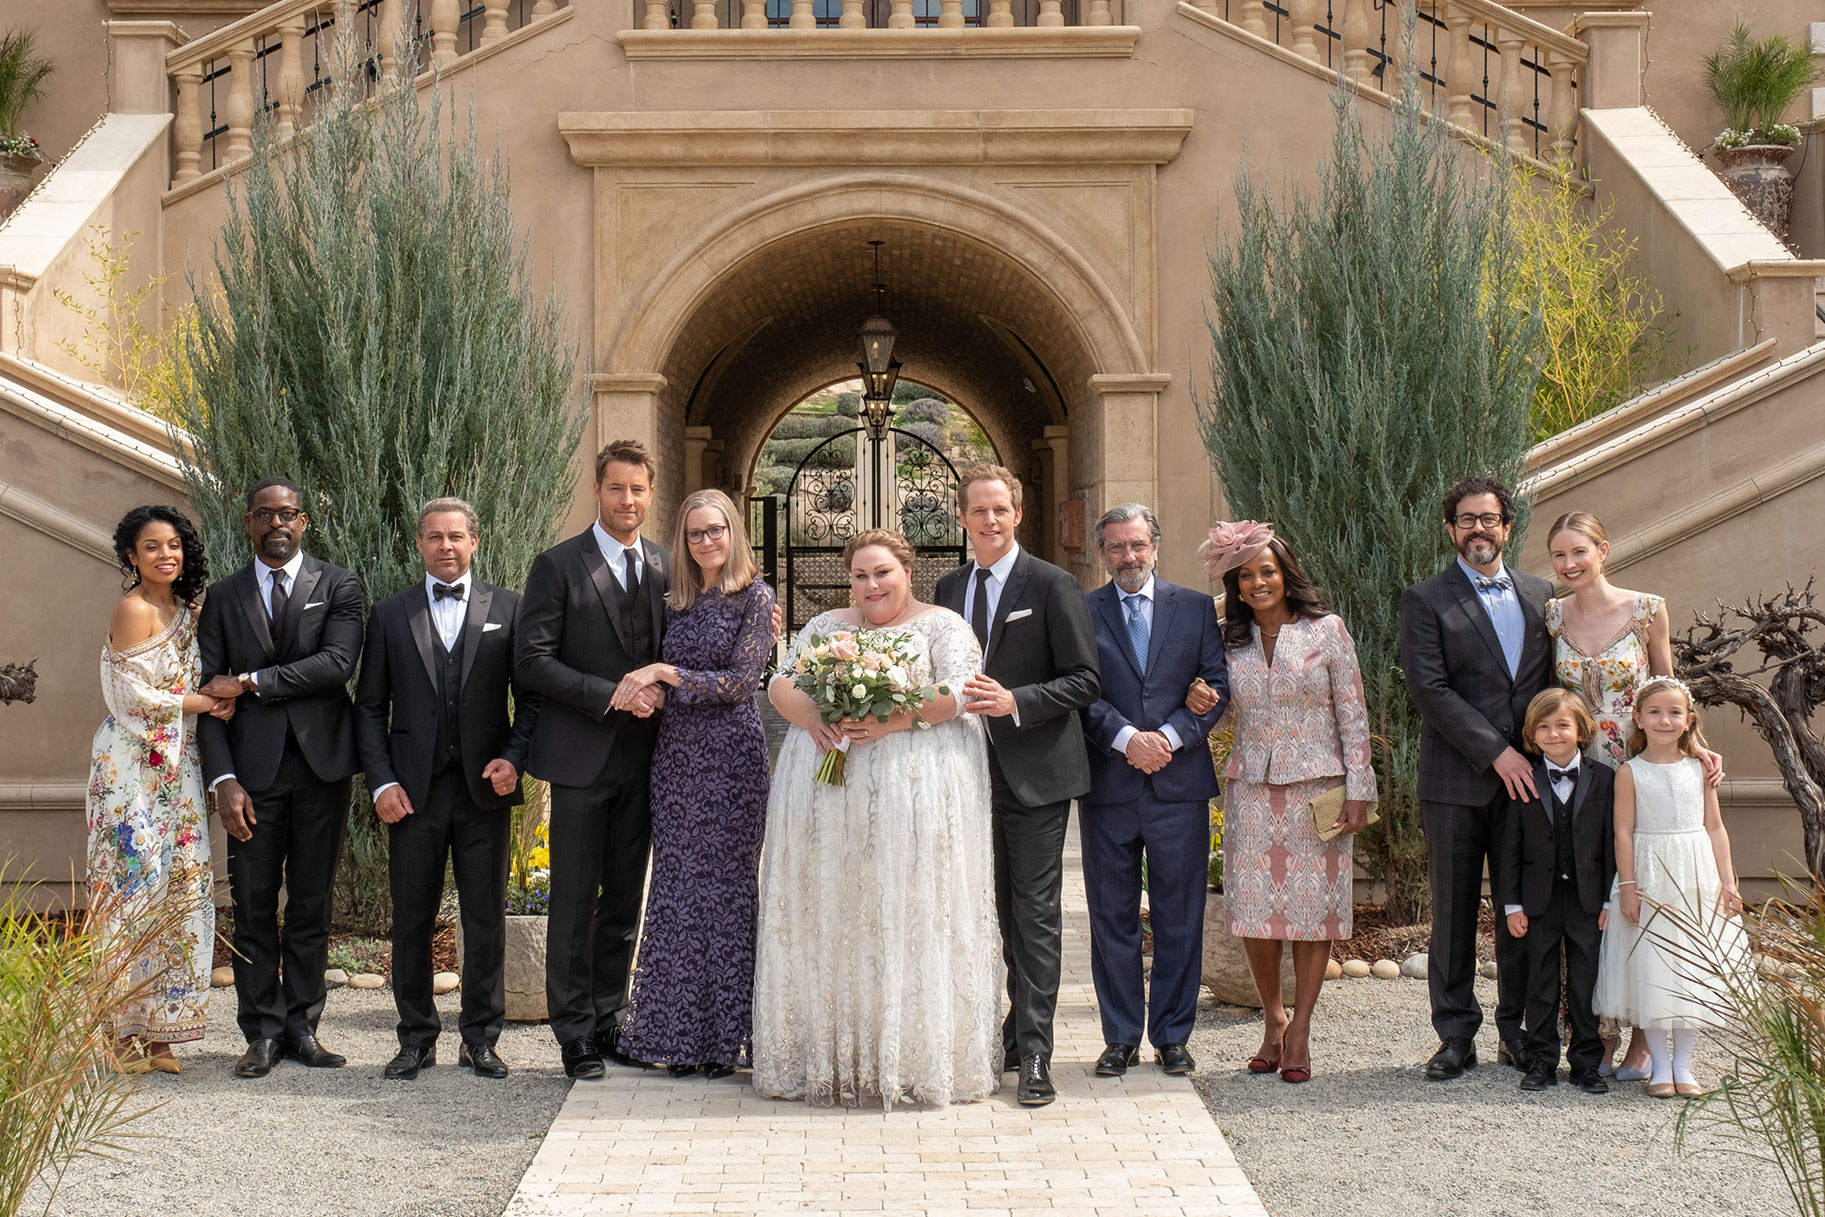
[851,674]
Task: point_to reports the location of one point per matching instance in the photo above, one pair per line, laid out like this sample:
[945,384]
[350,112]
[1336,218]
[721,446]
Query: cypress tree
[1367,351]
[372,334]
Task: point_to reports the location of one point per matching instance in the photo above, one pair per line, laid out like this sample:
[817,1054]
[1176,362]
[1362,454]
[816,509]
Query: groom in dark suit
[1038,672]
[443,757]
[1151,782]
[593,611]
[1475,651]
[281,636]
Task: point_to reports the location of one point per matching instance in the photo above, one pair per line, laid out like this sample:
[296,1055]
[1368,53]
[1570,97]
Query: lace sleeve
[747,659]
[955,655]
[138,705]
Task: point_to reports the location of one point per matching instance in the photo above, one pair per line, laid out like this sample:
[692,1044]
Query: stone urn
[15,181]
[1758,175]
[525,967]
[1226,972]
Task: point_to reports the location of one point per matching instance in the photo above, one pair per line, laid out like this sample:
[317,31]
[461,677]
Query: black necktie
[278,596]
[979,611]
[633,574]
[440,591]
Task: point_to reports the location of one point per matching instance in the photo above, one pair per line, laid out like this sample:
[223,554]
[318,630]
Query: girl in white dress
[877,975]
[1680,923]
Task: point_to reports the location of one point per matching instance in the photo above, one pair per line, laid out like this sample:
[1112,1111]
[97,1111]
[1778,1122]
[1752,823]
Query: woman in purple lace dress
[693,990]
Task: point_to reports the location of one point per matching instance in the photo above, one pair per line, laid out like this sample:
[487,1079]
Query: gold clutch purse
[1327,807]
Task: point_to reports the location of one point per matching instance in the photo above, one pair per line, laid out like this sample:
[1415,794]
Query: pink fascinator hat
[1232,544]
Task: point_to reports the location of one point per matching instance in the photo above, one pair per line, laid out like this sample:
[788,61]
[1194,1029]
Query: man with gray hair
[1151,782]
[443,754]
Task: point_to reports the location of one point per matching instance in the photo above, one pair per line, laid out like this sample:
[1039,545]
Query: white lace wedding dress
[878,972]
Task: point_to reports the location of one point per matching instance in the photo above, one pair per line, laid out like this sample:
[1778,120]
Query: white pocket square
[316,604]
[490,625]
[1011,618]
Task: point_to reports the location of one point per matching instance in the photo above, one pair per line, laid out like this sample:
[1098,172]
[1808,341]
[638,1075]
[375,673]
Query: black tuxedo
[577,635]
[1543,842]
[291,744]
[1041,648]
[1471,708]
[429,718]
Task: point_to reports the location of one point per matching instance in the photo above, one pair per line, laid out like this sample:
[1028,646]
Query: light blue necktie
[1138,631]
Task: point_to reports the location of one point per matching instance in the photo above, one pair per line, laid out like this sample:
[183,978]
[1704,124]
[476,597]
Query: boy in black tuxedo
[1558,861]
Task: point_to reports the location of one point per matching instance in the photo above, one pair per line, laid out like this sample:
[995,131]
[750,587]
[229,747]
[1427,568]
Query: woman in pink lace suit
[1301,729]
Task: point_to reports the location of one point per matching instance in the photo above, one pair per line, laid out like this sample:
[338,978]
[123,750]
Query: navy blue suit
[1165,815]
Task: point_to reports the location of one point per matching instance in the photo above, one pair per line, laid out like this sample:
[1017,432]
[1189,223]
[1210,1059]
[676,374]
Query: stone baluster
[238,112]
[445,15]
[950,14]
[386,38]
[901,18]
[1460,69]
[1304,18]
[656,16]
[188,130]
[1100,13]
[1051,12]
[544,8]
[1355,30]
[703,15]
[1001,14]
[1254,17]
[1515,102]
[754,14]
[495,28]
[804,14]
[291,74]
[1563,112]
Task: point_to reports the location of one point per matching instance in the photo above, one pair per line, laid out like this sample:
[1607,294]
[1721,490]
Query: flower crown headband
[1672,682]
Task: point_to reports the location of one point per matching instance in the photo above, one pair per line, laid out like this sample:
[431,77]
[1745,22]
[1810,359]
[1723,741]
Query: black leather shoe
[1175,1060]
[1116,1058]
[405,1066]
[608,1040]
[258,1060]
[483,1060]
[1010,1060]
[1035,1082]
[714,1070]
[1590,1081]
[1454,1055]
[681,1071]
[582,1061]
[1540,1075]
[1512,1052]
[307,1051]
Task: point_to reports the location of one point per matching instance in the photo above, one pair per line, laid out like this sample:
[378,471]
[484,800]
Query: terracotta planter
[1758,175]
[525,967]
[1226,972]
[16,173]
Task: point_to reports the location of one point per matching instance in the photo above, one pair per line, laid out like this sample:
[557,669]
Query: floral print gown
[149,830]
[1607,680]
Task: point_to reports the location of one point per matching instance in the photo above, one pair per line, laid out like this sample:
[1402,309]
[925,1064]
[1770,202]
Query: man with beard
[1475,651]
[281,635]
[1151,782]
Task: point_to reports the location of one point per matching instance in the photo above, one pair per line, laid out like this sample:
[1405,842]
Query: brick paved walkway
[1141,1146]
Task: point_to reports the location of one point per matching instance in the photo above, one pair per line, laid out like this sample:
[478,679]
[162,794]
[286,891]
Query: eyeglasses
[266,515]
[1489,519]
[697,536]
[1116,549]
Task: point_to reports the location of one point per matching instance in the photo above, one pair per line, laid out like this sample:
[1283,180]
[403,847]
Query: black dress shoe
[258,1060]
[1116,1058]
[405,1066]
[1456,1054]
[1512,1052]
[483,1060]
[608,1040]
[1590,1081]
[581,1060]
[1540,1075]
[1035,1082]
[681,1071]
[1175,1060]
[713,1070]
[1010,1060]
[307,1051]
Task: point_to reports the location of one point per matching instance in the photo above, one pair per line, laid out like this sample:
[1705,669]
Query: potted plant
[1753,83]
[22,74]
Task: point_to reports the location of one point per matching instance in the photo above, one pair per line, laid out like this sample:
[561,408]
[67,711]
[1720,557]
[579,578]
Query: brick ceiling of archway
[812,292]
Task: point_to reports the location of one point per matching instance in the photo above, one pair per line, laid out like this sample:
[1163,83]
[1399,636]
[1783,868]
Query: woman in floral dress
[148,855]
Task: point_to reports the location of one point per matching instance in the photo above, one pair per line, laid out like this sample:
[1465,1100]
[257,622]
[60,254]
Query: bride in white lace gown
[878,970]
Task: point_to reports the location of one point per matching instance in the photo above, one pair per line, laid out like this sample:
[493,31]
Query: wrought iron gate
[898,481]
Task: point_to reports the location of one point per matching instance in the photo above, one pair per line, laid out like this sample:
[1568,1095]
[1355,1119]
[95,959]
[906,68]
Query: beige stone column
[1052,451]
[1122,464]
[627,406]
[137,80]
[701,456]
[1618,55]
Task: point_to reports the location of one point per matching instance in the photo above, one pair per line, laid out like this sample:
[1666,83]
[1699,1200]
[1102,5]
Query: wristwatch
[247,684]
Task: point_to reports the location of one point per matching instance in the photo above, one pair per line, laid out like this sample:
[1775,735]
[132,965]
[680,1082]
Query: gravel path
[303,1142]
[1369,1135]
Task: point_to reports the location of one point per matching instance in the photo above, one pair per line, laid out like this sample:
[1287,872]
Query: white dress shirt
[1145,596]
[614,553]
[449,613]
[998,579]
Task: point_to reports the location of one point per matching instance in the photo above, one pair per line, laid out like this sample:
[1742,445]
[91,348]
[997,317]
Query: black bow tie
[1556,774]
[1500,583]
[441,590]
